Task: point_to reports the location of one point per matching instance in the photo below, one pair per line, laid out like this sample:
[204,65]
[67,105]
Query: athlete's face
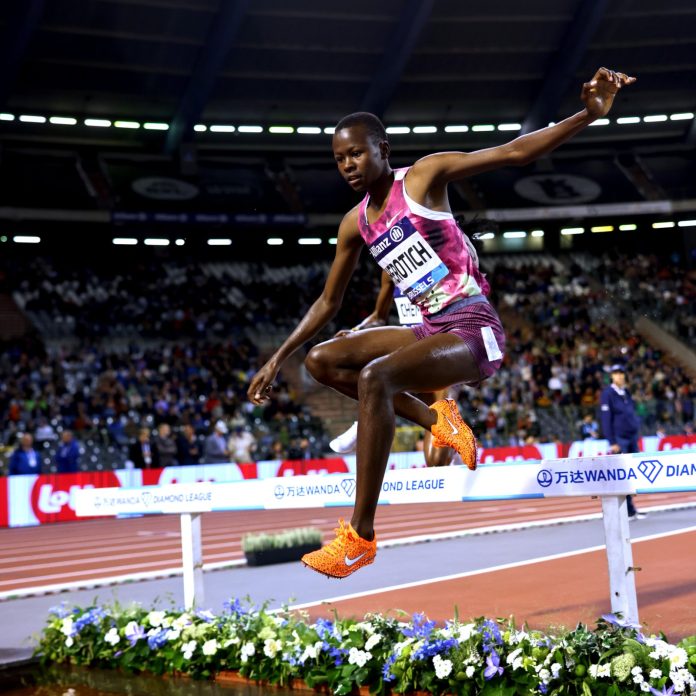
[360,158]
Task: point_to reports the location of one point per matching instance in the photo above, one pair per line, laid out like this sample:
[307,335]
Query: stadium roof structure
[236,98]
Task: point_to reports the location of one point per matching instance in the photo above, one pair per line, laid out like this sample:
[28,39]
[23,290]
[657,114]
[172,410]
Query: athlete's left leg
[433,363]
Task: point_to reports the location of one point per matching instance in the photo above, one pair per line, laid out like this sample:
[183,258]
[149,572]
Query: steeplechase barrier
[609,477]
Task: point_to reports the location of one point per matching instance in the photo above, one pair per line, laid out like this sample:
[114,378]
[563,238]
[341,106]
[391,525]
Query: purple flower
[205,615]
[60,611]
[664,691]
[493,667]
[422,628]
[134,632]
[157,640]
[615,620]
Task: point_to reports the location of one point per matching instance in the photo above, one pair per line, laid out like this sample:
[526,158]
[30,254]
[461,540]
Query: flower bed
[487,657]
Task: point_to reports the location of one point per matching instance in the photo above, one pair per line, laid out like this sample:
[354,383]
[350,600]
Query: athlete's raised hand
[598,94]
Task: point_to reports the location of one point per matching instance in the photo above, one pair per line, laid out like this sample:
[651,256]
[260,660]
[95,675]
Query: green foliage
[483,657]
[301,536]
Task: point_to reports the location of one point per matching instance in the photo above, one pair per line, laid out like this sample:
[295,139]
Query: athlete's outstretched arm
[443,167]
[348,247]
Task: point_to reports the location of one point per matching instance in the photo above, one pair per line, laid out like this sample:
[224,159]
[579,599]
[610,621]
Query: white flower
[69,642]
[188,649]
[67,628]
[365,626]
[644,686]
[248,649]
[470,671]
[678,657]
[372,641]
[513,655]
[358,657]
[231,641]
[155,618]
[555,670]
[637,670]
[310,653]
[166,622]
[210,647]
[656,674]
[271,647]
[466,631]
[638,678]
[181,621]
[545,676]
[173,634]
[604,670]
[112,637]
[443,668]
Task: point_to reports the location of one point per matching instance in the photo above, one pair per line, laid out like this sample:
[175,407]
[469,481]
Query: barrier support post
[192,559]
[622,581]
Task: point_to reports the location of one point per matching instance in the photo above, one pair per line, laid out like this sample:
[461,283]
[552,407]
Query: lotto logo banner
[51,498]
[4,509]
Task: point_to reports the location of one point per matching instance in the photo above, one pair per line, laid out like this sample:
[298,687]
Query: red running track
[89,551]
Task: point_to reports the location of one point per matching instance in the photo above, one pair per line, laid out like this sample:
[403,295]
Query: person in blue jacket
[67,458]
[620,422]
[25,459]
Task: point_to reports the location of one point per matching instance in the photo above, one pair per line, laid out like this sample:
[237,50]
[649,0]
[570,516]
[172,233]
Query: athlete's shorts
[477,324]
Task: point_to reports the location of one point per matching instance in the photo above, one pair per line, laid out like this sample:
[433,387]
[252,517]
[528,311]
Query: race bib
[409,260]
[409,314]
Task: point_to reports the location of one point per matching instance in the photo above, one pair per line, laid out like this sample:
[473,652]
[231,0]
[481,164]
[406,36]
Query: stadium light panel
[514,234]
[309,130]
[687,223]
[398,130]
[97,122]
[29,118]
[219,242]
[602,228]
[156,241]
[685,116]
[281,129]
[3,239]
[26,239]
[509,126]
[601,122]
[180,242]
[628,227]
[572,230]
[662,225]
[655,118]
[457,129]
[624,120]
[425,129]
[62,120]
[486,235]
[221,128]
[483,128]
[274,241]
[153,125]
[309,241]
[124,241]
[329,130]
[250,129]
[333,240]
[7,117]
[537,233]
[200,128]
[133,125]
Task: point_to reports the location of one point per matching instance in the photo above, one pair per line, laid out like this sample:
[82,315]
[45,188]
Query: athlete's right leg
[436,456]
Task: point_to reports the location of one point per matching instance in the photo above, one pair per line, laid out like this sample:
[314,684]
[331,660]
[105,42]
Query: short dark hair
[374,127]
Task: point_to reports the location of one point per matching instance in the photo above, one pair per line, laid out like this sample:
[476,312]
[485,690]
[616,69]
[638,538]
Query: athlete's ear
[385,149]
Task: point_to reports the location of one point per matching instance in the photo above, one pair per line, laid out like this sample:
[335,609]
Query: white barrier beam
[192,559]
[622,583]
[611,477]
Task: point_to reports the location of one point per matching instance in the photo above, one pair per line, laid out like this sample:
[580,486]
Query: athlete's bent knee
[318,364]
[373,378]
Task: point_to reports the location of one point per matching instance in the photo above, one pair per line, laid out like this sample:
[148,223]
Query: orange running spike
[450,430]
